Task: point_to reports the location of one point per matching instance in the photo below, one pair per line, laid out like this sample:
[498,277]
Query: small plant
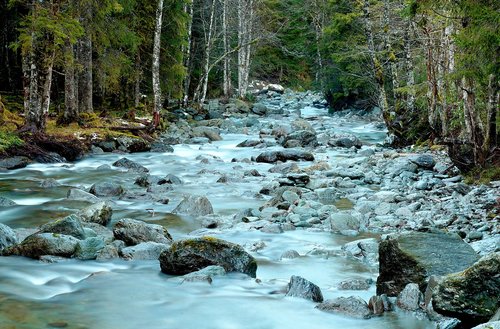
[8,140]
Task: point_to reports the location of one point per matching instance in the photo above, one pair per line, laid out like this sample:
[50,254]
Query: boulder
[205,274]
[489,325]
[7,237]
[355,284]
[344,140]
[49,183]
[300,287]
[250,143]
[211,133]
[425,161]
[4,202]
[144,251]
[132,144]
[259,109]
[99,213]
[170,179]
[304,138]
[194,206]
[351,306]
[290,254]
[106,189]
[80,195]
[341,222]
[131,165]
[194,254]
[471,295]
[40,244]
[70,225]
[283,156]
[133,232]
[413,257]
[410,298]
[89,248]
[15,162]
[379,304]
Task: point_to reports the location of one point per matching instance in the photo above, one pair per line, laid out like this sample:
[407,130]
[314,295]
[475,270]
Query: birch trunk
[493,103]
[187,54]
[70,99]
[410,73]
[34,115]
[245,25]
[203,85]
[388,47]
[226,84]
[47,86]
[26,81]
[156,65]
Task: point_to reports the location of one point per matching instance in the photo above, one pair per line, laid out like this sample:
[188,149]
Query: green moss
[8,140]
[483,175]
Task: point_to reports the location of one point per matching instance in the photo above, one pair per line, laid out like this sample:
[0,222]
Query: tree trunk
[391,57]
[432,93]
[47,85]
[156,65]
[26,81]
[138,78]
[226,84]
[85,84]
[245,26]
[34,115]
[201,90]
[410,73]
[70,99]
[493,102]
[187,54]
[376,66]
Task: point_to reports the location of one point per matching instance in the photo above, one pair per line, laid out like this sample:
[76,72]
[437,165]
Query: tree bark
[156,65]
[187,53]
[85,83]
[226,84]
[493,103]
[410,73]
[70,99]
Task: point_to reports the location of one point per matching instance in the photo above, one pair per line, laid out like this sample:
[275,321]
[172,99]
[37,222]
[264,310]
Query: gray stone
[15,162]
[379,304]
[132,144]
[106,189]
[99,213]
[194,206]
[49,183]
[410,298]
[471,295]
[37,245]
[290,196]
[131,165]
[352,306]
[304,138]
[259,109]
[211,133]
[4,202]
[89,248]
[7,237]
[355,284]
[81,195]
[190,255]
[133,232]
[111,251]
[425,161]
[487,245]
[300,287]
[344,140]
[489,325]
[413,257]
[290,254]
[144,251]
[343,221]
[70,225]
[283,156]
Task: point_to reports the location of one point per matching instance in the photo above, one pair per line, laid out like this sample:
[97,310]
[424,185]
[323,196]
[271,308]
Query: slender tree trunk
[156,65]
[138,78]
[85,82]
[493,103]
[203,84]
[187,53]
[388,48]
[26,81]
[376,66]
[410,73]
[432,93]
[47,85]
[245,25]
[226,84]
[34,115]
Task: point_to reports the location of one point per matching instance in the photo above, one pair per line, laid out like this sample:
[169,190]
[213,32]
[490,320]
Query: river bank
[319,218]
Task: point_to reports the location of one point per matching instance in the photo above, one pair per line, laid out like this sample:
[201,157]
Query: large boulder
[472,295]
[413,257]
[99,213]
[131,165]
[344,140]
[211,133]
[89,248]
[425,161]
[144,251]
[132,144]
[7,236]
[194,206]
[80,195]
[190,255]
[351,306]
[5,202]
[15,162]
[283,156]
[410,298]
[70,225]
[489,325]
[106,189]
[302,137]
[40,244]
[133,232]
[300,287]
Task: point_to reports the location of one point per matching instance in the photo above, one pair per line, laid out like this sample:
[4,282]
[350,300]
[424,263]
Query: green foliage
[8,140]
[483,175]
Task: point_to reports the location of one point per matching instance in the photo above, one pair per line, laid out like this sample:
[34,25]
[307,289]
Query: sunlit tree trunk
[226,84]
[245,27]
[410,73]
[156,65]
[187,52]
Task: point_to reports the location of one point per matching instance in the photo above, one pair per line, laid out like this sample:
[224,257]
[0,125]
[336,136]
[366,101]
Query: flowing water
[135,294]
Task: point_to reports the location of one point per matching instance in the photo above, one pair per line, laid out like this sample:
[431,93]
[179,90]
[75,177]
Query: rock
[290,196]
[132,144]
[342,221]
[425,161]
[106,189]
[205,274]
[211,133]
[81,195]
[161,148]
[69,225]
[283,156]
[489,325]
[170,179]
[472,295]
[413,257]
[89,248]
[190,255]
[259,109]
[99,213]
[351,306]
[344,140]
[111,251]
[250,143]
[300,287]
[144,251]
[410,298]
[131,165]
[49,183]
[133,232]
[305,138]
[7,237]
[364,249]
[355,284]
[275,87]
[40,244]
[487,245]
[15,162]
[379,304]
[4,202]
[290,254]
[194,206]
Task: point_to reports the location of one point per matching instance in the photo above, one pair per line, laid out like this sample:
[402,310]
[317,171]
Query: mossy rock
[191,255]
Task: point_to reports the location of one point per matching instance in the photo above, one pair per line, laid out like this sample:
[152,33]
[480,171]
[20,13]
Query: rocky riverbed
[264,212]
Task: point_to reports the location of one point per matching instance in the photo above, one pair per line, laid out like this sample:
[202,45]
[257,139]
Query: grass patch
[9,139]
[483,175]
